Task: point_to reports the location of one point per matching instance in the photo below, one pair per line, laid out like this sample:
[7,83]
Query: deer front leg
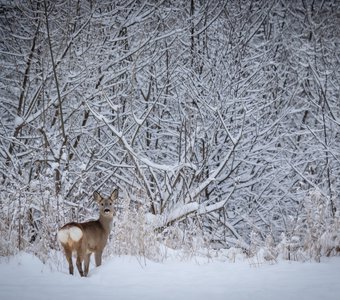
[87,263]
[79,264]
[98,257]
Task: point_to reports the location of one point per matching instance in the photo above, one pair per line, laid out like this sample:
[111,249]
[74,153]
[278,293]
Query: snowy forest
[218,120]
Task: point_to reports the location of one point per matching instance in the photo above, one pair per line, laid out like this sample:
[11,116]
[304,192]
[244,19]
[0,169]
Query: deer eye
[110,203]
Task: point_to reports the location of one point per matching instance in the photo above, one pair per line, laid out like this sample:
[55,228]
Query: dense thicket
[216,119]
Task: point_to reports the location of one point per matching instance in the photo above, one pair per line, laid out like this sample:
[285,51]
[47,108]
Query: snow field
[26,277]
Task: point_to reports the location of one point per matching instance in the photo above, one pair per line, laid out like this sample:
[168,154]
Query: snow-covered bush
[315,233]
[133,235]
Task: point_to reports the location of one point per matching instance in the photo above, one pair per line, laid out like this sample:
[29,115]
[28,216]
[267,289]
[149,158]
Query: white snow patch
[25,277]
[18,121]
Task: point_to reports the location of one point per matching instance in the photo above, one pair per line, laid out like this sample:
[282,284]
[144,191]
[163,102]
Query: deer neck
[106,222]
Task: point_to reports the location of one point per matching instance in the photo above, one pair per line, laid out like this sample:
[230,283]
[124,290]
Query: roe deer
[83,239]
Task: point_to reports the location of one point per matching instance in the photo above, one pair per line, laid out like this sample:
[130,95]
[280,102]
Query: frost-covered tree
[216,118]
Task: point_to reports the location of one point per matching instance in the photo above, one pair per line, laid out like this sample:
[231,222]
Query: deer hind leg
[87,263]
[79,263]
[68,254]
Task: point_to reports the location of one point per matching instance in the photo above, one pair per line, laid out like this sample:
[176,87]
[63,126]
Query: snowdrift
[25,277]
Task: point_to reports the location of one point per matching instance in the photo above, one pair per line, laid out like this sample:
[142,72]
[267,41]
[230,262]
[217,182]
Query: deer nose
[106,210]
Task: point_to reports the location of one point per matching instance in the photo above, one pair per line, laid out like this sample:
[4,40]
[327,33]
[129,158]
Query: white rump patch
[70,233]
[63,236]
[75,233]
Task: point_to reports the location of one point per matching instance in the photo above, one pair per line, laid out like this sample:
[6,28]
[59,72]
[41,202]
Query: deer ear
[114,195]
[97,196]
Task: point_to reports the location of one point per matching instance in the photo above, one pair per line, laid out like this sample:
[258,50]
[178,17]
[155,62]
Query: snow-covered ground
[26,277]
